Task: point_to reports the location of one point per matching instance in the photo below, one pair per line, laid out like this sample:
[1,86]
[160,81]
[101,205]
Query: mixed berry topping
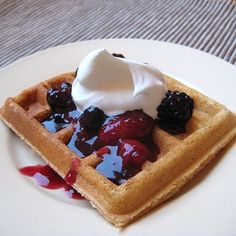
[123,142]
[174,111]
[59,98]
[129,125]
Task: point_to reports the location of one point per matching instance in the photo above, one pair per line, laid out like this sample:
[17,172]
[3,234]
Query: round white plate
[207,204]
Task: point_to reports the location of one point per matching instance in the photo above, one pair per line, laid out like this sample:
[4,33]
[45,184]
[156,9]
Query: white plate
[207,204]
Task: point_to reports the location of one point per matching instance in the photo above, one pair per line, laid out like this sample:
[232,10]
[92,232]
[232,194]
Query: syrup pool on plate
[46,177]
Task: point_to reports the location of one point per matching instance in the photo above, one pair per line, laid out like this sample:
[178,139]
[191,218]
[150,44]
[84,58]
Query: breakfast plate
[205,205]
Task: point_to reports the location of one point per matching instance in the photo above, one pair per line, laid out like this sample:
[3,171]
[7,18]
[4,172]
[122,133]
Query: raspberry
[59,98]
[129,125]
[174,111]
[132,152]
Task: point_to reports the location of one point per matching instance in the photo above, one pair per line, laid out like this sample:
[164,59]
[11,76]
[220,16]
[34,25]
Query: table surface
[28,26]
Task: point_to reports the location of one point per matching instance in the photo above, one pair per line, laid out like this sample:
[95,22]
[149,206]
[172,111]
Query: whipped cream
[116,85]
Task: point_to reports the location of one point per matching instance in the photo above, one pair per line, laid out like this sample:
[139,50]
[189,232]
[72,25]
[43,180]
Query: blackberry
[174,111]
[85,148]
[59,98]
[118,55]
[92,119]
[58,119]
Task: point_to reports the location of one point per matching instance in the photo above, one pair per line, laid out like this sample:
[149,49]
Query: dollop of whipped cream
[116,85]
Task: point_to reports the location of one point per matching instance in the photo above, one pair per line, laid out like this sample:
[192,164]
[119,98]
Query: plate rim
[133,228]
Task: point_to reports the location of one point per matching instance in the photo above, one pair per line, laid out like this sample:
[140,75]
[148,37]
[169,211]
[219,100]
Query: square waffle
[211,128]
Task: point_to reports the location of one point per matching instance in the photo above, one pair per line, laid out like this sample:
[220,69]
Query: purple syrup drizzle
[46,177]
[111,167]
[57,121]
[71,175]
[83,143]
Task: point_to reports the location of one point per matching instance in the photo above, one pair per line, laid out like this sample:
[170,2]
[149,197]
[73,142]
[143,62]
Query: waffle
[211,128]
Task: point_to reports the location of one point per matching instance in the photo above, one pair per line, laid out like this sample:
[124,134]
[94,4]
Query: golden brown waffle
[210,129]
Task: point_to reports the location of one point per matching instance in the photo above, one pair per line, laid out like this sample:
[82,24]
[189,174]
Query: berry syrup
[46,177]
[112,167]
[70,177]
[57,121]
[93,125]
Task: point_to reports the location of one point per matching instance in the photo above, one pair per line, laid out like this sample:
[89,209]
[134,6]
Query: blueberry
[59,98]
[92,119]
[58,119]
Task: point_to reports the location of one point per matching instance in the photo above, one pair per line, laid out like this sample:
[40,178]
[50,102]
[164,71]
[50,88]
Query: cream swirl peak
[116,85]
